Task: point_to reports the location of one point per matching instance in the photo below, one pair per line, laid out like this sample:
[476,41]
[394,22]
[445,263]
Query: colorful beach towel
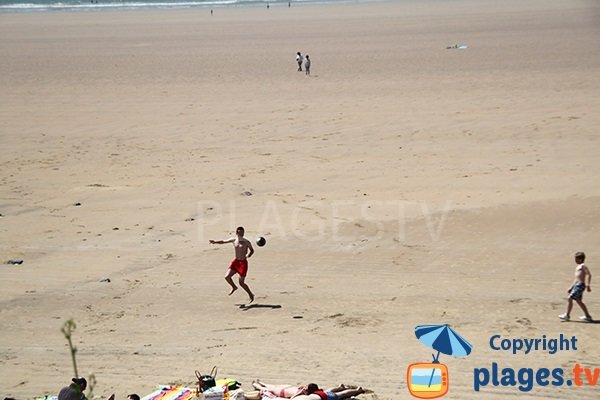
[171,393]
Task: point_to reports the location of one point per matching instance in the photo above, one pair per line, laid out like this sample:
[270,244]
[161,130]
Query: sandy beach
[401,184]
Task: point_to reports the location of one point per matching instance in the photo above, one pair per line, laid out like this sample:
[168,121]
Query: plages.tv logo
[429,380]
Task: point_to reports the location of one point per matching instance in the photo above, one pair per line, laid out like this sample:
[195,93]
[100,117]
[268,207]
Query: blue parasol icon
[443,339]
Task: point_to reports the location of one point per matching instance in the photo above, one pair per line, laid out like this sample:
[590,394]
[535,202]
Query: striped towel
[171,393]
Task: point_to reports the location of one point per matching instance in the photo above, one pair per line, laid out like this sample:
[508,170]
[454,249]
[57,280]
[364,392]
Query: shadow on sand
[582,321]
[246,307]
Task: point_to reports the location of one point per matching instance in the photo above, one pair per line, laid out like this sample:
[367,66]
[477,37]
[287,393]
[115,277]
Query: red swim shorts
[239,266]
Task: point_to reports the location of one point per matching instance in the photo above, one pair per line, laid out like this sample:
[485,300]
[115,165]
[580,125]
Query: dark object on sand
[261,241]
[206,382]
[15,261]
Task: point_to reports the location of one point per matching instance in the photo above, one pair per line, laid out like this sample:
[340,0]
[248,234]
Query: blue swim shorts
[577,291]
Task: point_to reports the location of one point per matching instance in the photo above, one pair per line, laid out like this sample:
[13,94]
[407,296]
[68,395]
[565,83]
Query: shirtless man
[308,392]
[578,287]
[339,392]
[239,265]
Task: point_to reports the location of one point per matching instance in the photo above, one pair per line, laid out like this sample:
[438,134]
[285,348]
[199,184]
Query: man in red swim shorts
[239,265]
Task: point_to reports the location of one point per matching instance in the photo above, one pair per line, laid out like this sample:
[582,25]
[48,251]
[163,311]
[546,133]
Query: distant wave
[61,5]
[49,5]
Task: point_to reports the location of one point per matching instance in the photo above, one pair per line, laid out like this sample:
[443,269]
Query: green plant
[67,329]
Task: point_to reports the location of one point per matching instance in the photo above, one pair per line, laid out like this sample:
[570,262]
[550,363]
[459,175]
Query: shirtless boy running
[576,290]
[239,265]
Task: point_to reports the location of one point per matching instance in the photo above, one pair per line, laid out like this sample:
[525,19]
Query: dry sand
[401,184]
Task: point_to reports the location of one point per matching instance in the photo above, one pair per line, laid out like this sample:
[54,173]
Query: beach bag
[206,382]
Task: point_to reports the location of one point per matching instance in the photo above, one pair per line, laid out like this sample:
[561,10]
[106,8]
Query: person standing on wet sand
[243,250]
[299,60]
[307,65]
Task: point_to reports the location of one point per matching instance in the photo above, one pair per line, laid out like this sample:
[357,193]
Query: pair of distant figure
[300,59]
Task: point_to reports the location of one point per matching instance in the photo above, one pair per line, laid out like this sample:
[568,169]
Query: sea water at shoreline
[99,5]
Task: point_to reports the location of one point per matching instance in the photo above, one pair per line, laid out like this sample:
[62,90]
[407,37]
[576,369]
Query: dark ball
[261,241]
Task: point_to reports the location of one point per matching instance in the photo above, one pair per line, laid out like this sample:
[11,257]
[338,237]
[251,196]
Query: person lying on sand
[339,392]
[284,391]
[308,392]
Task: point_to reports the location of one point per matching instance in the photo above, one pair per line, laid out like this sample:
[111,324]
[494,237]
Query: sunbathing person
[309,392]
[284,391]
[264,394]
[339,392]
